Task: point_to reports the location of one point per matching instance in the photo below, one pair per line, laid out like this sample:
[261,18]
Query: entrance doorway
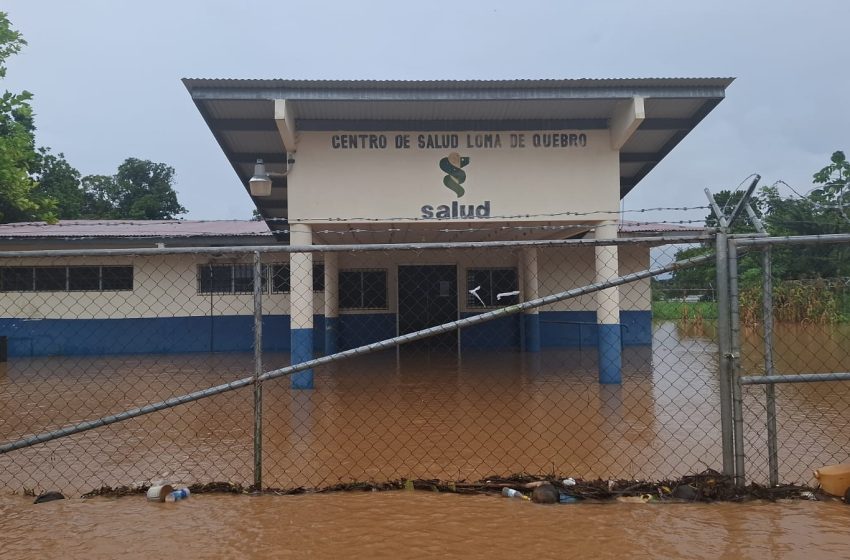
[427,296]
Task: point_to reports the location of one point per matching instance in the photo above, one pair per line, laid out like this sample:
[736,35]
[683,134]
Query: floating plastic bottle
[569,482]
[511,493]
[177,495]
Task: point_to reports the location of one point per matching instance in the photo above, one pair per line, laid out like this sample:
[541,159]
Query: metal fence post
[258,370]
[735,364]
[769,369]
[724,345]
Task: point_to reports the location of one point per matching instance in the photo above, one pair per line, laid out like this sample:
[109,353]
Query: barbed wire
[491,218]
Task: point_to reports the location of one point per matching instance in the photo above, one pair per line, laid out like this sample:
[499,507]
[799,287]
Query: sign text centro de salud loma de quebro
[454,163]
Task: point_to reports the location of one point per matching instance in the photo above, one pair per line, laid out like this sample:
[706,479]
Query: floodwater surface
[421,415]
[417,525]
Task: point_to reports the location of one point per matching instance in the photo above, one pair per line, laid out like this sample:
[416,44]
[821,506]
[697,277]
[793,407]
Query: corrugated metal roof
[135,228]
[458,84]
[240,113]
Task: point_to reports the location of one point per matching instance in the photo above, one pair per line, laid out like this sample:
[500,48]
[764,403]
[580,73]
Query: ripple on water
[402,524]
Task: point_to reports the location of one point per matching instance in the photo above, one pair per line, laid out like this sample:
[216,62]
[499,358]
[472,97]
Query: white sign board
[457,176]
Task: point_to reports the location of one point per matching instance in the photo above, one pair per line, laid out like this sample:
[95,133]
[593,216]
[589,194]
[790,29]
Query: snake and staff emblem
[455,176]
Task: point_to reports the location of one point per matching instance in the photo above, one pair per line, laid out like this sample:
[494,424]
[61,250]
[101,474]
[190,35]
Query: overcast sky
[106,74]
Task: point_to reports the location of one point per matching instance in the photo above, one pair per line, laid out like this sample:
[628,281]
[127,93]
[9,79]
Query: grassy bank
[675,310]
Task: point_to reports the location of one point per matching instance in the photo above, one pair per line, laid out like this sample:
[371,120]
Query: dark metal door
[427,296]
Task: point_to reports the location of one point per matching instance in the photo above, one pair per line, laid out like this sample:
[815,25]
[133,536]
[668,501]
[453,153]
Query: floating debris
[49,496]
[707,486]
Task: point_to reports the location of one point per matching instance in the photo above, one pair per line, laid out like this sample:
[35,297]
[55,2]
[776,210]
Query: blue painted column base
[531,326]
[331,335]
[610,354]
[302,351]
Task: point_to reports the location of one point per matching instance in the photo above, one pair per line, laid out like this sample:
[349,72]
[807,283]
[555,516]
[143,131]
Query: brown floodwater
[417,525]
[422,414]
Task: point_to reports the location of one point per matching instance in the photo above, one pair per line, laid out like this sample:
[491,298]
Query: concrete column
[301,305]
[608,307]
[331,303]
[531,318]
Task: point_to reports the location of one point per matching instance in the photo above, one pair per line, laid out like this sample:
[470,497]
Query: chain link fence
[797,328]
[499,371]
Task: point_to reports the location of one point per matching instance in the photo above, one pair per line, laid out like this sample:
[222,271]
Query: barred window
[280,278]
[363,289]
[66,278]
[491,287]
[228,278]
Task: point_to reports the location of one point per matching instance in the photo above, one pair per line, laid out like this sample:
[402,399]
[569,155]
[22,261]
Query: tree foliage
[823,210]
[140,190]
[56,179]
[18,156]
[36,184]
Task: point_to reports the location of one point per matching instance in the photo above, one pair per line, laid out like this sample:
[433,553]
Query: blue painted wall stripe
[503,332]
[531,328]
[302,351]
[233,333]
[610,354]
[331,335]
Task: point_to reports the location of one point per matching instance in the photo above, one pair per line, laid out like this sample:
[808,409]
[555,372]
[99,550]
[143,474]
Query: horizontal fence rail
[795,378]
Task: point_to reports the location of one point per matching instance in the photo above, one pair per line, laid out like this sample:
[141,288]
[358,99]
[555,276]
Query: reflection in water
[417,524]
[406,414]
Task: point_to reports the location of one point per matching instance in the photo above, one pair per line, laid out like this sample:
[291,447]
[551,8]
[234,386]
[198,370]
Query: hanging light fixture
[261,183]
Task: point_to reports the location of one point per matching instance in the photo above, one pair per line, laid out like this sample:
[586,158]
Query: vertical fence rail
[735,363]
[724,350]
[769,368]
[258,370]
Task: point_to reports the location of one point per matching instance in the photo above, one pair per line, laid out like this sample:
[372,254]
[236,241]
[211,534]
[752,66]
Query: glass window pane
[222,279]
[375,289]
[280,278]
[318,278]
[215,278]
[504,281]
[350,289]
[243,278]
[204,279]
[117,278]
[50,279]
[18,279]
[84,278]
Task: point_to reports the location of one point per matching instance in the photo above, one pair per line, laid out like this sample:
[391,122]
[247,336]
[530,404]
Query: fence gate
[791,347]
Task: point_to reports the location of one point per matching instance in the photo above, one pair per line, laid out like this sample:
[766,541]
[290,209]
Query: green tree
[18,156]
[140,190]
[58,180]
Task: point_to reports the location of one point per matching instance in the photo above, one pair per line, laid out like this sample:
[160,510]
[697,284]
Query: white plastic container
[511,493]
[159,492]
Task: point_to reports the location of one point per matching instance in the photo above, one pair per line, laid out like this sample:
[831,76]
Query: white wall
[167,285]
[394,183]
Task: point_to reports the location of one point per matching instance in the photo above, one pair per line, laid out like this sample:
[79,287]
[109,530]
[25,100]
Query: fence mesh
[95,335]
[809,334]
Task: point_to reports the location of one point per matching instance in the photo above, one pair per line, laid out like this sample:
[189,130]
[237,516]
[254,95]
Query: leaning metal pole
[735,364]
[258,371]
[354,352]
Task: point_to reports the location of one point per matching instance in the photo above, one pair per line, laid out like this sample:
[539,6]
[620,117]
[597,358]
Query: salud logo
[455,176]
